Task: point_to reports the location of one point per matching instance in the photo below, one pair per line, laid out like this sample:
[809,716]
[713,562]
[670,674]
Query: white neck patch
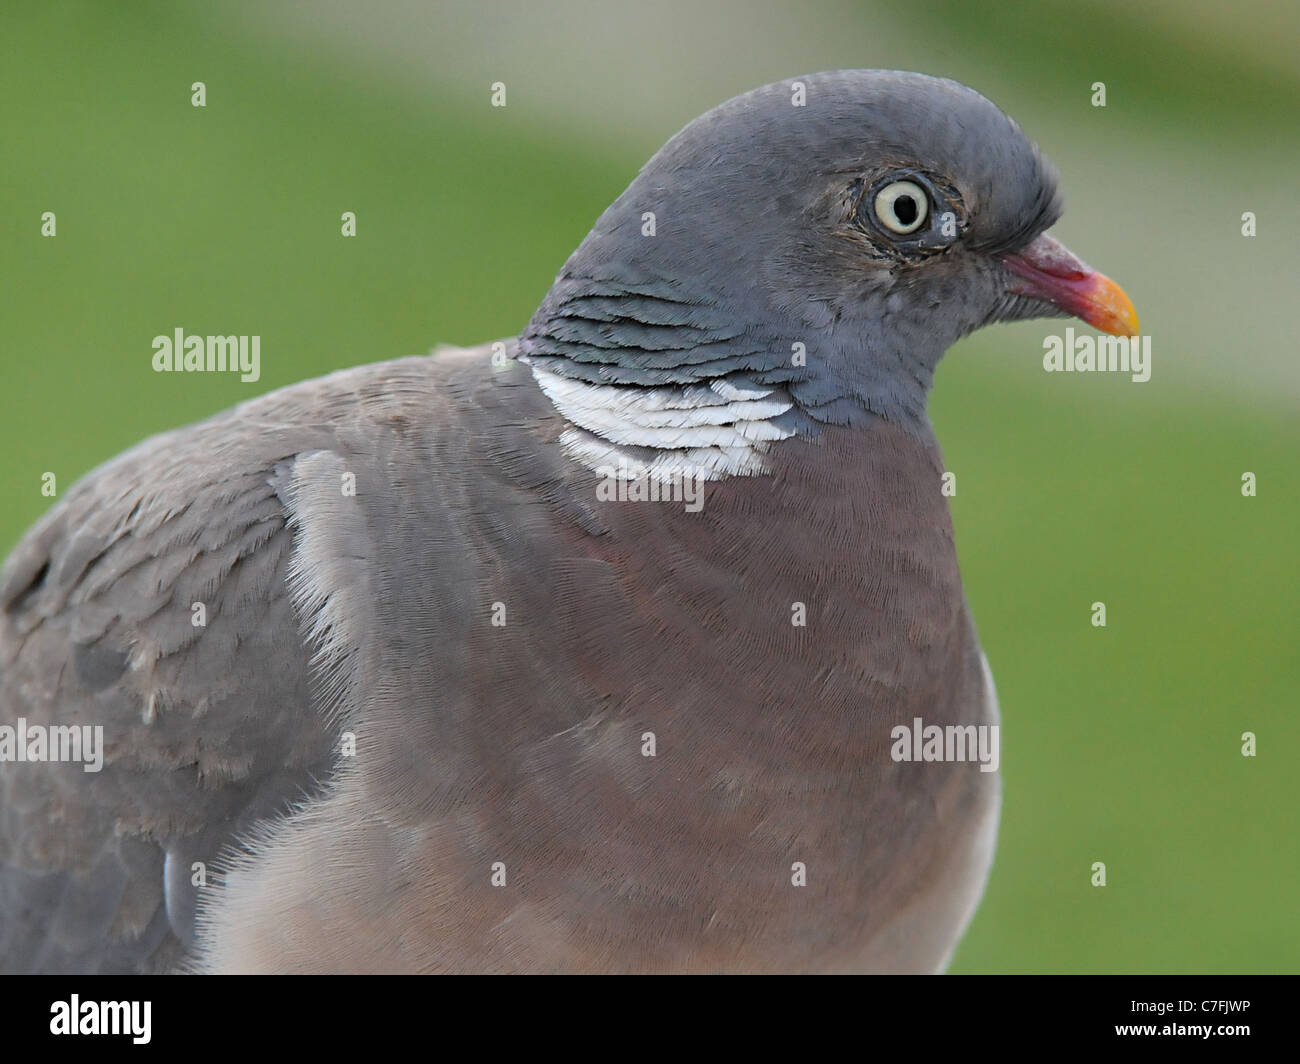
[707,431]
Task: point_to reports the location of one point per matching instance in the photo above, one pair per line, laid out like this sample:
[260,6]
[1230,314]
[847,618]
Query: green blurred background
[1121,744]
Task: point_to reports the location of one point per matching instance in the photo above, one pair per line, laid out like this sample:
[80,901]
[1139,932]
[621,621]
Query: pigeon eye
[902,206]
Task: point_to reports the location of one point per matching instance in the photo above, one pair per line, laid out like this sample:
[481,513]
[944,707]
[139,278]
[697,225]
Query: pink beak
[1049,271]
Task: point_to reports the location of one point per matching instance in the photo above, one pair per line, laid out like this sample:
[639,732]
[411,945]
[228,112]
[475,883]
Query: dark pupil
[905,209]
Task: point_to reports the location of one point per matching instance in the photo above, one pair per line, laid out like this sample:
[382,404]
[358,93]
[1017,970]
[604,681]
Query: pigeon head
[826,239]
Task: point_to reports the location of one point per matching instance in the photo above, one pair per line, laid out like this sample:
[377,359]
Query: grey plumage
[686,312]
[520,747]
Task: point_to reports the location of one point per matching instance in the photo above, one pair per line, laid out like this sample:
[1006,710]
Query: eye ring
[902,207]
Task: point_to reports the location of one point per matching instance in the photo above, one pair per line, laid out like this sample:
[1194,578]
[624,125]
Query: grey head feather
[760,244]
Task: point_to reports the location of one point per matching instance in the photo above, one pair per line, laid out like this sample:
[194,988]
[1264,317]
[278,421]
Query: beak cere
[1049,271]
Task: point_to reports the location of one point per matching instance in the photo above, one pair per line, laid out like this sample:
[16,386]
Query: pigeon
[633,643]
